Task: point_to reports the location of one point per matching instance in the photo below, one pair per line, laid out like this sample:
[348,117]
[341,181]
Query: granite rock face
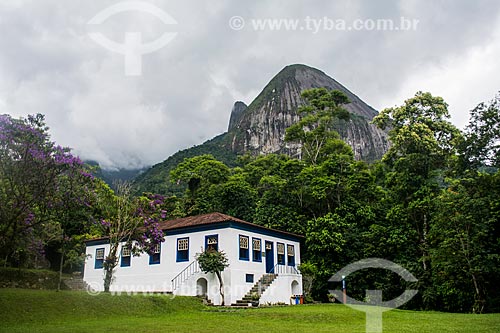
[238,109]
[260,127]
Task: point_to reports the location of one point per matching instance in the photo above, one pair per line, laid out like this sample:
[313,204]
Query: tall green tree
[466,248]
[234,197]
[34,174]
[423,147]
[481,144]
[199,173]
[279,199]
[465,232]
[314,131]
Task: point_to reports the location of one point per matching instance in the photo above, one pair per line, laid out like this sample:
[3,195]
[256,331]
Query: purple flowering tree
[128,220]
[35,174]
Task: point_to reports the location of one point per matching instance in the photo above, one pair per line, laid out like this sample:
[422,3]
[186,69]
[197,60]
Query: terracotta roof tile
[211,218]
[191,221]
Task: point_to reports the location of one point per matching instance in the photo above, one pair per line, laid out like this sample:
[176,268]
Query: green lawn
[49,311]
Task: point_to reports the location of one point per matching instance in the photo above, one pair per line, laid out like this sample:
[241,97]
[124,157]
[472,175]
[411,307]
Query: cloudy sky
[217,52]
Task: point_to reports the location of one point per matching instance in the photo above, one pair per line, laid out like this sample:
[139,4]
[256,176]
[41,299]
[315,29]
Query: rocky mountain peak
[260,128]
[238,108]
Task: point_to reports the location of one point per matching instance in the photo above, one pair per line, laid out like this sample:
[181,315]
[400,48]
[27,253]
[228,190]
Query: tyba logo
[132,48]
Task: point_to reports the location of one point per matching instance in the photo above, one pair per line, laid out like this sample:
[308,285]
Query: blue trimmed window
[249,278]
[99,258]
[125,258]
[212,243]
[244,251]
[290,251]
[154,258]
[256,249]
[183,249]
[280,249]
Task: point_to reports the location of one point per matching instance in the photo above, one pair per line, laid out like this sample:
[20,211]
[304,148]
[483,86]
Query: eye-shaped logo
[374,306]
[132,48]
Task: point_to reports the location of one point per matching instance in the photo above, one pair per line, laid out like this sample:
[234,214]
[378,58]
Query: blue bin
[297,299]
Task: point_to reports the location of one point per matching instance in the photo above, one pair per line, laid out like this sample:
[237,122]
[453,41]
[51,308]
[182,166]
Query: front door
[269,257]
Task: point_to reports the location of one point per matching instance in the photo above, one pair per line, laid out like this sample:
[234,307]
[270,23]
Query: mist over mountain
[111,176]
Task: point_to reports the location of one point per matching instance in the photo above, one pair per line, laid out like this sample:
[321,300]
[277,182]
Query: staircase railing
[185,274]
[284,269]
[258,288]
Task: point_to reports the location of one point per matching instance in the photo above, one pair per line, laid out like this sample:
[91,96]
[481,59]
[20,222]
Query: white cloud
[463,80]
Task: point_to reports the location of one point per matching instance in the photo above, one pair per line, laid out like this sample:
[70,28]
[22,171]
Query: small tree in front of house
[212,261]
[132,221]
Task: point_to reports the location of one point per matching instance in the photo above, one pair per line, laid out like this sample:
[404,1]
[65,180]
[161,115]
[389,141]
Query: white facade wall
[282,290]
[239,268]
[141,276]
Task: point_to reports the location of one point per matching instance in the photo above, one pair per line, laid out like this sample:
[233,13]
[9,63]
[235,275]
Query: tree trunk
[109,267]
[479,299]
[61,263]
[221,288]
[425,253]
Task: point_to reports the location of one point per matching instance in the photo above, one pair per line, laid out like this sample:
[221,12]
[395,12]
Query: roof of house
[197,220]
[215,219]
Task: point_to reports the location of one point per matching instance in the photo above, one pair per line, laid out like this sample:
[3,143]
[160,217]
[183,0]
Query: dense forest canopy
[430,205]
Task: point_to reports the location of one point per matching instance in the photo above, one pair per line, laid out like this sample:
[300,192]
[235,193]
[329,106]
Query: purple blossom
[36,246]
[105,223]
[37,154]
[62,155]
[29,219]
[87,174]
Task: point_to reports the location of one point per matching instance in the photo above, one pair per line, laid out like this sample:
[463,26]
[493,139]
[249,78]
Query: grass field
[49,311]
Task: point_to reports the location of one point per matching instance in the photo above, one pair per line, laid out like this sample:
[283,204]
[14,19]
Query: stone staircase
[264,282]
[206,301]
[75,283]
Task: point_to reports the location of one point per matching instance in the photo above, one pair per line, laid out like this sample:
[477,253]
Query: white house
[260,258]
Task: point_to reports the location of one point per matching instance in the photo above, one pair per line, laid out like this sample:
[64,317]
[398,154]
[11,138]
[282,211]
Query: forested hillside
[157,178]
